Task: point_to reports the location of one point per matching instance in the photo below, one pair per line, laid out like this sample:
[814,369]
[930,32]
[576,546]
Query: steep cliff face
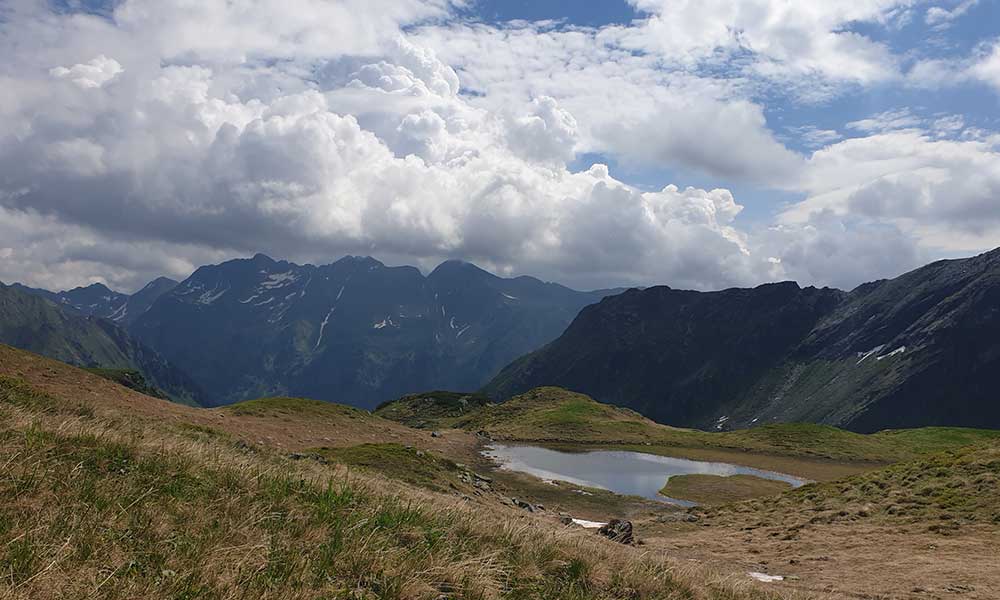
[921,349]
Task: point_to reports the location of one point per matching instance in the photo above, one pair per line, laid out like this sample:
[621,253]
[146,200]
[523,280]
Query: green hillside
[555,415]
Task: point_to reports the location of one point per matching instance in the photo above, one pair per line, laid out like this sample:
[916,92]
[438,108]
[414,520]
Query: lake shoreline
[623,472]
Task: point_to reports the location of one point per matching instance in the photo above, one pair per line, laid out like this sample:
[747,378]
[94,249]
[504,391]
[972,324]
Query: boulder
[522,504]
[618,530]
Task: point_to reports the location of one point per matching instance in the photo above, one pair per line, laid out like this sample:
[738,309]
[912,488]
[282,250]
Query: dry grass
[126,507]
[928,528]
[717,489]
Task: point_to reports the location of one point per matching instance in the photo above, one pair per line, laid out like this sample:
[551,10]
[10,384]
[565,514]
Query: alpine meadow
[499,300]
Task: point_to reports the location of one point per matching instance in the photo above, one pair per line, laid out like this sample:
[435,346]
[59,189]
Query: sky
[700,144]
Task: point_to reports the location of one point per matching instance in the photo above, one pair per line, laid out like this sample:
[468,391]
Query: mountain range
[97,300]
[31,321]
[921,349]
[912,351]
[354,331]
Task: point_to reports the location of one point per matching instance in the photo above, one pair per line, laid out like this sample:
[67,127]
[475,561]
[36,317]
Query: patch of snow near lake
[589,524]
[764,577]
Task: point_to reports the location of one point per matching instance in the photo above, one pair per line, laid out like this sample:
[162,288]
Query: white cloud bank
[172,134]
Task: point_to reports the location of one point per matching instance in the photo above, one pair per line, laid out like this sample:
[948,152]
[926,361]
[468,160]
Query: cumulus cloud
[331,152]
[625,104]
[942,192]
[839,251]
[93,74]
[190,134]
[548,133]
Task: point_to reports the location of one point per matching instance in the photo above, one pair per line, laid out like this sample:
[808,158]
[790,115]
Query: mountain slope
[97,300]
[93,300]
[921,349]
[355,331]
[32,323]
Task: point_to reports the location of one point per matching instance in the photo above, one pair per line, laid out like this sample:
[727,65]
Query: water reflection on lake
[619,471]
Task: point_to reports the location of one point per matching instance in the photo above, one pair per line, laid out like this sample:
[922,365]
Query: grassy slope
[717,489]
[402,463]
[558,416]
[431,410]
[294,407]
[942,493]
[124,506]
[131,379]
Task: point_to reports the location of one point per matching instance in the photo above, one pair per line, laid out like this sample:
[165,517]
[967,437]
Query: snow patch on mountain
[322,326]
[899,350]
[864,355]
[278,280]
[212,295]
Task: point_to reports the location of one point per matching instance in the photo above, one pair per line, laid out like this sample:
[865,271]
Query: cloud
[783,39]
[942,18]
[549,133]
[986,68]
[813,137]
[886,121]
[93,74]
[309,130]
[942,192]
[981,66]
[202,149]
[626,104]
[839,251]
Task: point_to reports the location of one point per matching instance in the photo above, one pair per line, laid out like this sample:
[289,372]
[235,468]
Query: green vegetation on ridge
[437,409]
[557,416]
[269,407]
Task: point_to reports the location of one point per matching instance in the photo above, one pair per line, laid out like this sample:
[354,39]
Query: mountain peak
[94,287]
[160,281]
[459,268]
